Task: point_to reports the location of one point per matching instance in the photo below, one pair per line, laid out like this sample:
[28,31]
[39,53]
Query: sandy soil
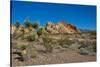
[58,56]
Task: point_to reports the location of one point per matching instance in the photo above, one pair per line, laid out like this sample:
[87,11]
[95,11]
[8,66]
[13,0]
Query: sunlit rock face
[61,27]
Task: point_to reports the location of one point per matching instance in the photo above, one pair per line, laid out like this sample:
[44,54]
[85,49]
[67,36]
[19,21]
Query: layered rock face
[61,27]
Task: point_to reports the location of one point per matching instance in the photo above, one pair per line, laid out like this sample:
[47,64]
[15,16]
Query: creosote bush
[48,45]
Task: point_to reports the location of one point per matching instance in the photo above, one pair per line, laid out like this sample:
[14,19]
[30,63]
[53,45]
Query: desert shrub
[92,33]
[94,47]
[88,48]
[74,46]
[27,23]
[35,25]
[18,36]
[22,37]
[84,51]
[47,44]
[65,42]
[21,46]
[84,44]
[88,45]
[40,31]
[48,47]
[25,36]
[33,52]
[31,38]
[17,24]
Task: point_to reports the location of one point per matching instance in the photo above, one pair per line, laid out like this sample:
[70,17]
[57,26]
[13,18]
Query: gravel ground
[58,56]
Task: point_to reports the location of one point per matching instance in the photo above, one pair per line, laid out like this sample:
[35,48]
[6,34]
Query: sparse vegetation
[87,48]
[35,25]
[21,46]
[48,44]
[33,52]
[27,23]
[94,48]
[93,33]
[65,41]
[38,45]
[31,38]
[17,24]
[40,31]
[84,51]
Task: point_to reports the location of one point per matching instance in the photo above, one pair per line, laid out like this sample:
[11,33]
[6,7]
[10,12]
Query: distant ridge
[87,30]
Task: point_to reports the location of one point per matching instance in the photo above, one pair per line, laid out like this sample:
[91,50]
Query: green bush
[40,31]
[48,45]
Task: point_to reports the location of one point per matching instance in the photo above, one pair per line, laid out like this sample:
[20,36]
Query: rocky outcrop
[61,27]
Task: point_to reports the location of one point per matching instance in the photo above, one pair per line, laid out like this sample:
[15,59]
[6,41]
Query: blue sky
[82,16]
